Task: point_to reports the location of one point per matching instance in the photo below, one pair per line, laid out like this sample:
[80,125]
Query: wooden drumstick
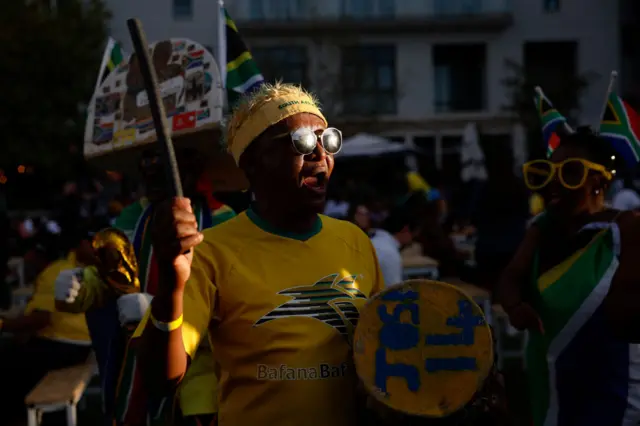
[160,122]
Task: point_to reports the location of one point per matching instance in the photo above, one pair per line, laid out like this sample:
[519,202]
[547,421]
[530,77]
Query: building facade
[417,71]
[162,19]
[630,51]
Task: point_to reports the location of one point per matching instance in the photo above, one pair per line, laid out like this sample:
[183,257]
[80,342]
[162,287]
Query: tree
[564,89]
[323,75]
[330,82]
[327,79]
[50,62]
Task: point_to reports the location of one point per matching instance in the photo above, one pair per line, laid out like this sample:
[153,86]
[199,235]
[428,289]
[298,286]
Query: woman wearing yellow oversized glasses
[572,173]
[573,283]
[576,176]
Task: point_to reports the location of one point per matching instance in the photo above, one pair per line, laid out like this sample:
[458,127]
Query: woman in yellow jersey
[573,283]
[53,339]
[278,288]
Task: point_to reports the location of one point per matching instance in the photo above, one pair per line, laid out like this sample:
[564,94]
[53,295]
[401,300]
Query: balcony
[314,17]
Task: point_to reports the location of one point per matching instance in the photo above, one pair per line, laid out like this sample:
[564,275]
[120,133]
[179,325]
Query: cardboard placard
[190,85]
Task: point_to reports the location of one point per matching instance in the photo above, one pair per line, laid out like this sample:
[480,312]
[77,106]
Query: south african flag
[243,74]
[621,126]
[551,120]
[112,57]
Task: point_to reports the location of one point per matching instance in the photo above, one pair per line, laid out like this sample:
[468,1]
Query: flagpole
[612,85]
[221,54]
[222,43]
[105,60]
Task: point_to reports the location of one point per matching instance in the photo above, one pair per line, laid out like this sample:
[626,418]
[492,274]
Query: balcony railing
[337,10]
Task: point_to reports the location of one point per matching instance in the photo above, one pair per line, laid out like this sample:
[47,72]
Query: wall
[593,23]
[159,23]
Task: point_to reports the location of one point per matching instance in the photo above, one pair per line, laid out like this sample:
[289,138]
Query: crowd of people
[182,298]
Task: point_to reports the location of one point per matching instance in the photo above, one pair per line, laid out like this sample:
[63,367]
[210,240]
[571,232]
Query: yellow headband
[266,116]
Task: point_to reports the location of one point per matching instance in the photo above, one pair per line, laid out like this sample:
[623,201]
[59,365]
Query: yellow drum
[423,348]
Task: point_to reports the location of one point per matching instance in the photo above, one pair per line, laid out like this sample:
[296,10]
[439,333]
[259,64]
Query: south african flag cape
[132,404]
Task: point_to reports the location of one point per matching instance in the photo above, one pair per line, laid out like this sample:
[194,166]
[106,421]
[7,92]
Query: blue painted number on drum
[467,322]
[395,336]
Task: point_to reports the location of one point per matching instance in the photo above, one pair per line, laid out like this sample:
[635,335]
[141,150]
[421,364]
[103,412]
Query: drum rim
[371,391]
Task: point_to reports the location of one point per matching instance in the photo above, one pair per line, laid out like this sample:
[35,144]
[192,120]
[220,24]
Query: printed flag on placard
[243,74]
[184,121]
[550,119]
[621,126]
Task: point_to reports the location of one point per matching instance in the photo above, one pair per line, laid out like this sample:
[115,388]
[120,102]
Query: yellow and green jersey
[280,309]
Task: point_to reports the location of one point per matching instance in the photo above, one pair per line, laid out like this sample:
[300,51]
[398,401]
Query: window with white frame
[276,10]
[367,9]
[369,79]
[286,63]
[183,9]
[459,72]
[457,7]
[551,5]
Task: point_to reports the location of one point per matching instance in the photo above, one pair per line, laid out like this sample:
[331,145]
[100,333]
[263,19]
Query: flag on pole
[550,119]
[243,74]
[621,126]
[112,57]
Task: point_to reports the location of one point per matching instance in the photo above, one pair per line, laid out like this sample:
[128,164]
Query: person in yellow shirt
[277,289]
[42,339]
[124,398]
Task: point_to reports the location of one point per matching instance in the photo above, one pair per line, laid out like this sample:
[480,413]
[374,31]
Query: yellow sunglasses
[572,172]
